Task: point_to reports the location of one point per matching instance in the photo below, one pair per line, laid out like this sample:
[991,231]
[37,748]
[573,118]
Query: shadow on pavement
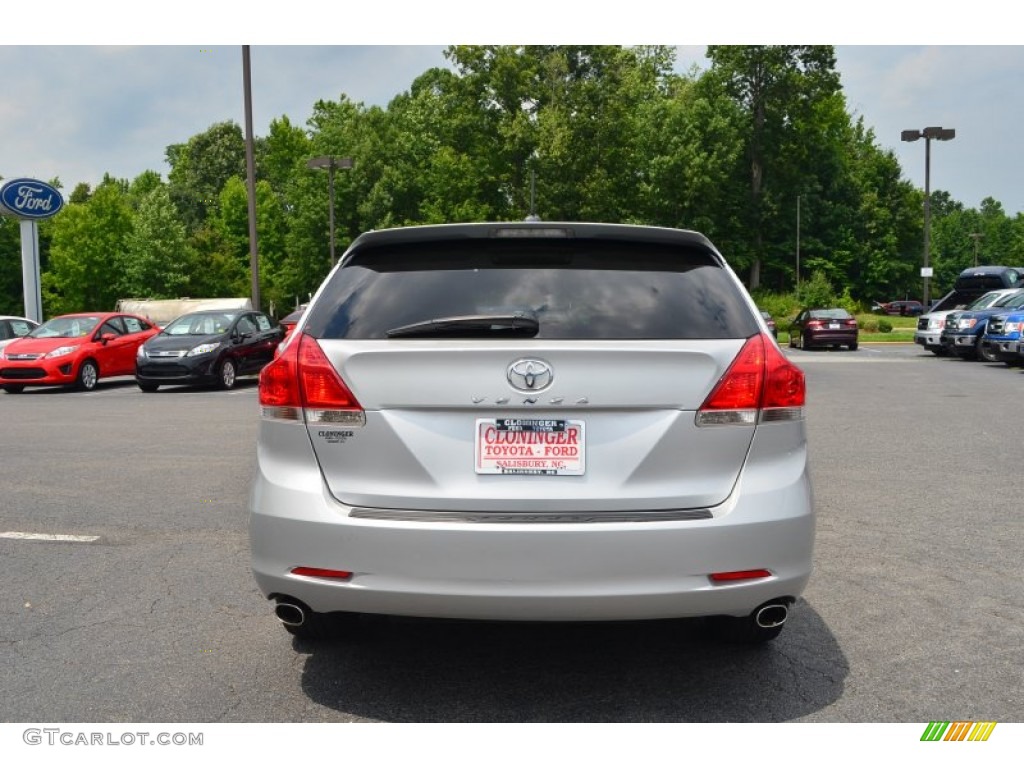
[412,670]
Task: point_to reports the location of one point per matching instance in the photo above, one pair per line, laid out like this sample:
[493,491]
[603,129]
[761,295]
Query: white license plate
[515,446]
[833,326]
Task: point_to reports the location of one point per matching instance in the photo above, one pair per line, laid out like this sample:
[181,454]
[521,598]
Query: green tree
[89,253]
[11,295]
[200,168]
[778,87]
[157,264]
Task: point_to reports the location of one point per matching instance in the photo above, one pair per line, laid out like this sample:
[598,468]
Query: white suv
[532,421]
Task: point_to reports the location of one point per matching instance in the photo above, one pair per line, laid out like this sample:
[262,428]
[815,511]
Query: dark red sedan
[289,321]
[833,327]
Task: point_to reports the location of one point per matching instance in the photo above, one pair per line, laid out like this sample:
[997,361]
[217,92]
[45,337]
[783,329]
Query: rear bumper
[536,571]
[826,338]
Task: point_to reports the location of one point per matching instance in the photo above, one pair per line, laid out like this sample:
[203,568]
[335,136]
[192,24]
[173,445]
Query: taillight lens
[760,385]
[814,323]
[302,383]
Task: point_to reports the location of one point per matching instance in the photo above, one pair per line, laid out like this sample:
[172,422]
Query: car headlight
[1011,327]
[140,352]
[966,323]
[60,352]
[202,349]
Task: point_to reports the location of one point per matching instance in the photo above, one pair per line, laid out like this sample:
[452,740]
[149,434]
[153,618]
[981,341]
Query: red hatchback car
[74,349]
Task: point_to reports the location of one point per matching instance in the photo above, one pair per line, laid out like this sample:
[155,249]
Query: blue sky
[77,101]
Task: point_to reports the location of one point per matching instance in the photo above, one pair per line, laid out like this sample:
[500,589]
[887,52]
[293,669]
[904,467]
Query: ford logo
[29,199]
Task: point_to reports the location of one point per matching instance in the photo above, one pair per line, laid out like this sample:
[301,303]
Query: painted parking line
[47,537]
[849,360]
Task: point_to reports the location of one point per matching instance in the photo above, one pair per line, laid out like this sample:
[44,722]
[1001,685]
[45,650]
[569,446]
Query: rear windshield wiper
[471,326]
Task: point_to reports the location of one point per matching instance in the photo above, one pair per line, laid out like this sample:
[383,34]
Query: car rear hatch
[529,374]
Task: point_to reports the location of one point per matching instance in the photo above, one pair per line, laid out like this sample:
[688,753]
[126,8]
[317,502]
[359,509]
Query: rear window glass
[986,281]
[578,290]
[832,314]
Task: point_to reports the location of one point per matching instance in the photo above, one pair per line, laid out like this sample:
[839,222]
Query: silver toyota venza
[536,422]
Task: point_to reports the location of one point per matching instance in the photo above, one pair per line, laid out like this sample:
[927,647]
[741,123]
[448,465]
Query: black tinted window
[577,290]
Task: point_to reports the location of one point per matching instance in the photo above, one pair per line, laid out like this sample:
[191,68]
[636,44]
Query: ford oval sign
[29,199]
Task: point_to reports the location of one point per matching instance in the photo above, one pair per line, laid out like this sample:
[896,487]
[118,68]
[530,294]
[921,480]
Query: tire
[14,389]
[227,374]
[803,342]
[853,347]
[88,375]
[985,355]
[792,341]
[148,387]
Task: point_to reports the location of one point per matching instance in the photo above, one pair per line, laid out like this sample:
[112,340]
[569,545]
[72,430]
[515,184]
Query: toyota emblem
[530,375]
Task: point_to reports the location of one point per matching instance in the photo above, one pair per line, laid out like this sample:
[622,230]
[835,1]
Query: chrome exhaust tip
[771,615]
[290,614]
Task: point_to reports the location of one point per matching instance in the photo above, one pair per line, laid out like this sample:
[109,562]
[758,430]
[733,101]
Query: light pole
[250,169]
[941,134]
[330,163]
[798,243]
[976,236]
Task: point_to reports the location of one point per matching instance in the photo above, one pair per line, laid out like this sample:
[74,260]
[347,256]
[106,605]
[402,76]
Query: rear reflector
[728,576]
[760,385]
[321,573]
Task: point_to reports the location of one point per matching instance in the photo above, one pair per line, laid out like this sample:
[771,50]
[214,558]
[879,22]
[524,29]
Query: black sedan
[833,327]
[209,348]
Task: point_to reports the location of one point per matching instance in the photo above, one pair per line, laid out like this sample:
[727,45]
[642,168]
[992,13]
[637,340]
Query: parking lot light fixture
[330,163]
[940,134]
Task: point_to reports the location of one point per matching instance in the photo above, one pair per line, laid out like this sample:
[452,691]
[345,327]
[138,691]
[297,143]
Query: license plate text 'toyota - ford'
[530,447]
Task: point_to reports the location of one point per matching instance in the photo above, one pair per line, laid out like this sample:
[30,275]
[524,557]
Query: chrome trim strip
[522,518]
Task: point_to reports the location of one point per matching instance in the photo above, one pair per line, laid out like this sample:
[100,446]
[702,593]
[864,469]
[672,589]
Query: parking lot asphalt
[913,614]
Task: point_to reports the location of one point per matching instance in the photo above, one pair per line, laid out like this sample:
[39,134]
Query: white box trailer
[163,311]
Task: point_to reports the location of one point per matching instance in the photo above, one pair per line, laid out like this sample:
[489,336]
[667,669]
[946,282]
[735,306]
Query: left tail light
[302,385]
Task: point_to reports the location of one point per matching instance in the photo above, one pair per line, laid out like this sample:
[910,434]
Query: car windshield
[987,300]
[204,324]
[1013,300]
[73,327]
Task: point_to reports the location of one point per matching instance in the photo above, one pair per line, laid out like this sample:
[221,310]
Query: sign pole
[30,270]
